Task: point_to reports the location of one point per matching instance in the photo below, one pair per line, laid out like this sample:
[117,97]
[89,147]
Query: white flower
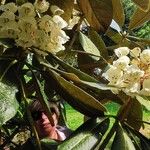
[62,37]
[132,89]
[42,39]
[26,9]
[54,47]
[135,62]
[113,75]
[10,30]
[122,51]
[132,74]
[9,7]
[8,14]
[41,5]
[6,17]
[56,10]
[27,24]
[58,36]
[122,62]
[28,36]
[74,19]
[11,24]
[60,21]
[9,33]
[145,56]
[135,52]
[46,23]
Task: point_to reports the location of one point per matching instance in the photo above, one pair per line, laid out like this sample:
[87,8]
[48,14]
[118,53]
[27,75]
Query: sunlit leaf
[142,4]
[118,12]
[144,100]
[98,86]
[8,103]
[86,136]
[69,68]
[99,43]
[89,46]
[76,95]
[90,85]
[49,144]
[119,39]
[83,140]
[122,141]
[144,142]
[94,10]
[139,17]
[135,140]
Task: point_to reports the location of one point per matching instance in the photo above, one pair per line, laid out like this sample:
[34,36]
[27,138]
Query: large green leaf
[99,43]
[49,144]
[135,115]
[119,39]
[8,103]
[144,100]
[118,12]
[142,4]
[74,78]
[101,89]
[97,12]
[89,46]
[144,142]
[86,136]
[69,68]
[139,17]
[122,141]
[77,97]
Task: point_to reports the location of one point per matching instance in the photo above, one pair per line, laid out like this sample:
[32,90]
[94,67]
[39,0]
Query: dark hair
[36,106]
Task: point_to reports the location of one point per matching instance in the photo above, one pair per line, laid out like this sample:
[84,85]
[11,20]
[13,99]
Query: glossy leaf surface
[94,9]
[139,17]
[8,103]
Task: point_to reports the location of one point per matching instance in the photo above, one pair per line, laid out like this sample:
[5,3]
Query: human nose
[43,116]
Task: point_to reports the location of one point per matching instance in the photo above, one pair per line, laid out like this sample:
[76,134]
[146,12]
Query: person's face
[43,125]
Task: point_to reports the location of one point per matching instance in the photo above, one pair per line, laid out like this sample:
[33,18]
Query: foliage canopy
[61,49]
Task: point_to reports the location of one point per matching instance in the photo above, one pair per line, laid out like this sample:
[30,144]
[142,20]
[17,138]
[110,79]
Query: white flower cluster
[28,26]
[130,73]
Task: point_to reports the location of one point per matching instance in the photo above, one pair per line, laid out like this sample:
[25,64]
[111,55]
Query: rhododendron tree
[77,52]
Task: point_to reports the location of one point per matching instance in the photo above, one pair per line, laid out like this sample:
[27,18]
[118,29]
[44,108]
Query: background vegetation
[34,67]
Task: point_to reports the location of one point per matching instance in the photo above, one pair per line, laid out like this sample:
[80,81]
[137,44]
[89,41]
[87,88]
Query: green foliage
[122,140]
[129,8]
[36,70]
[8,103]
[87,135]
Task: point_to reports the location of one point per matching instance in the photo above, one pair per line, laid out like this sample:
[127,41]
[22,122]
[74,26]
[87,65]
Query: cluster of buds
[29,25]
[130,72]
